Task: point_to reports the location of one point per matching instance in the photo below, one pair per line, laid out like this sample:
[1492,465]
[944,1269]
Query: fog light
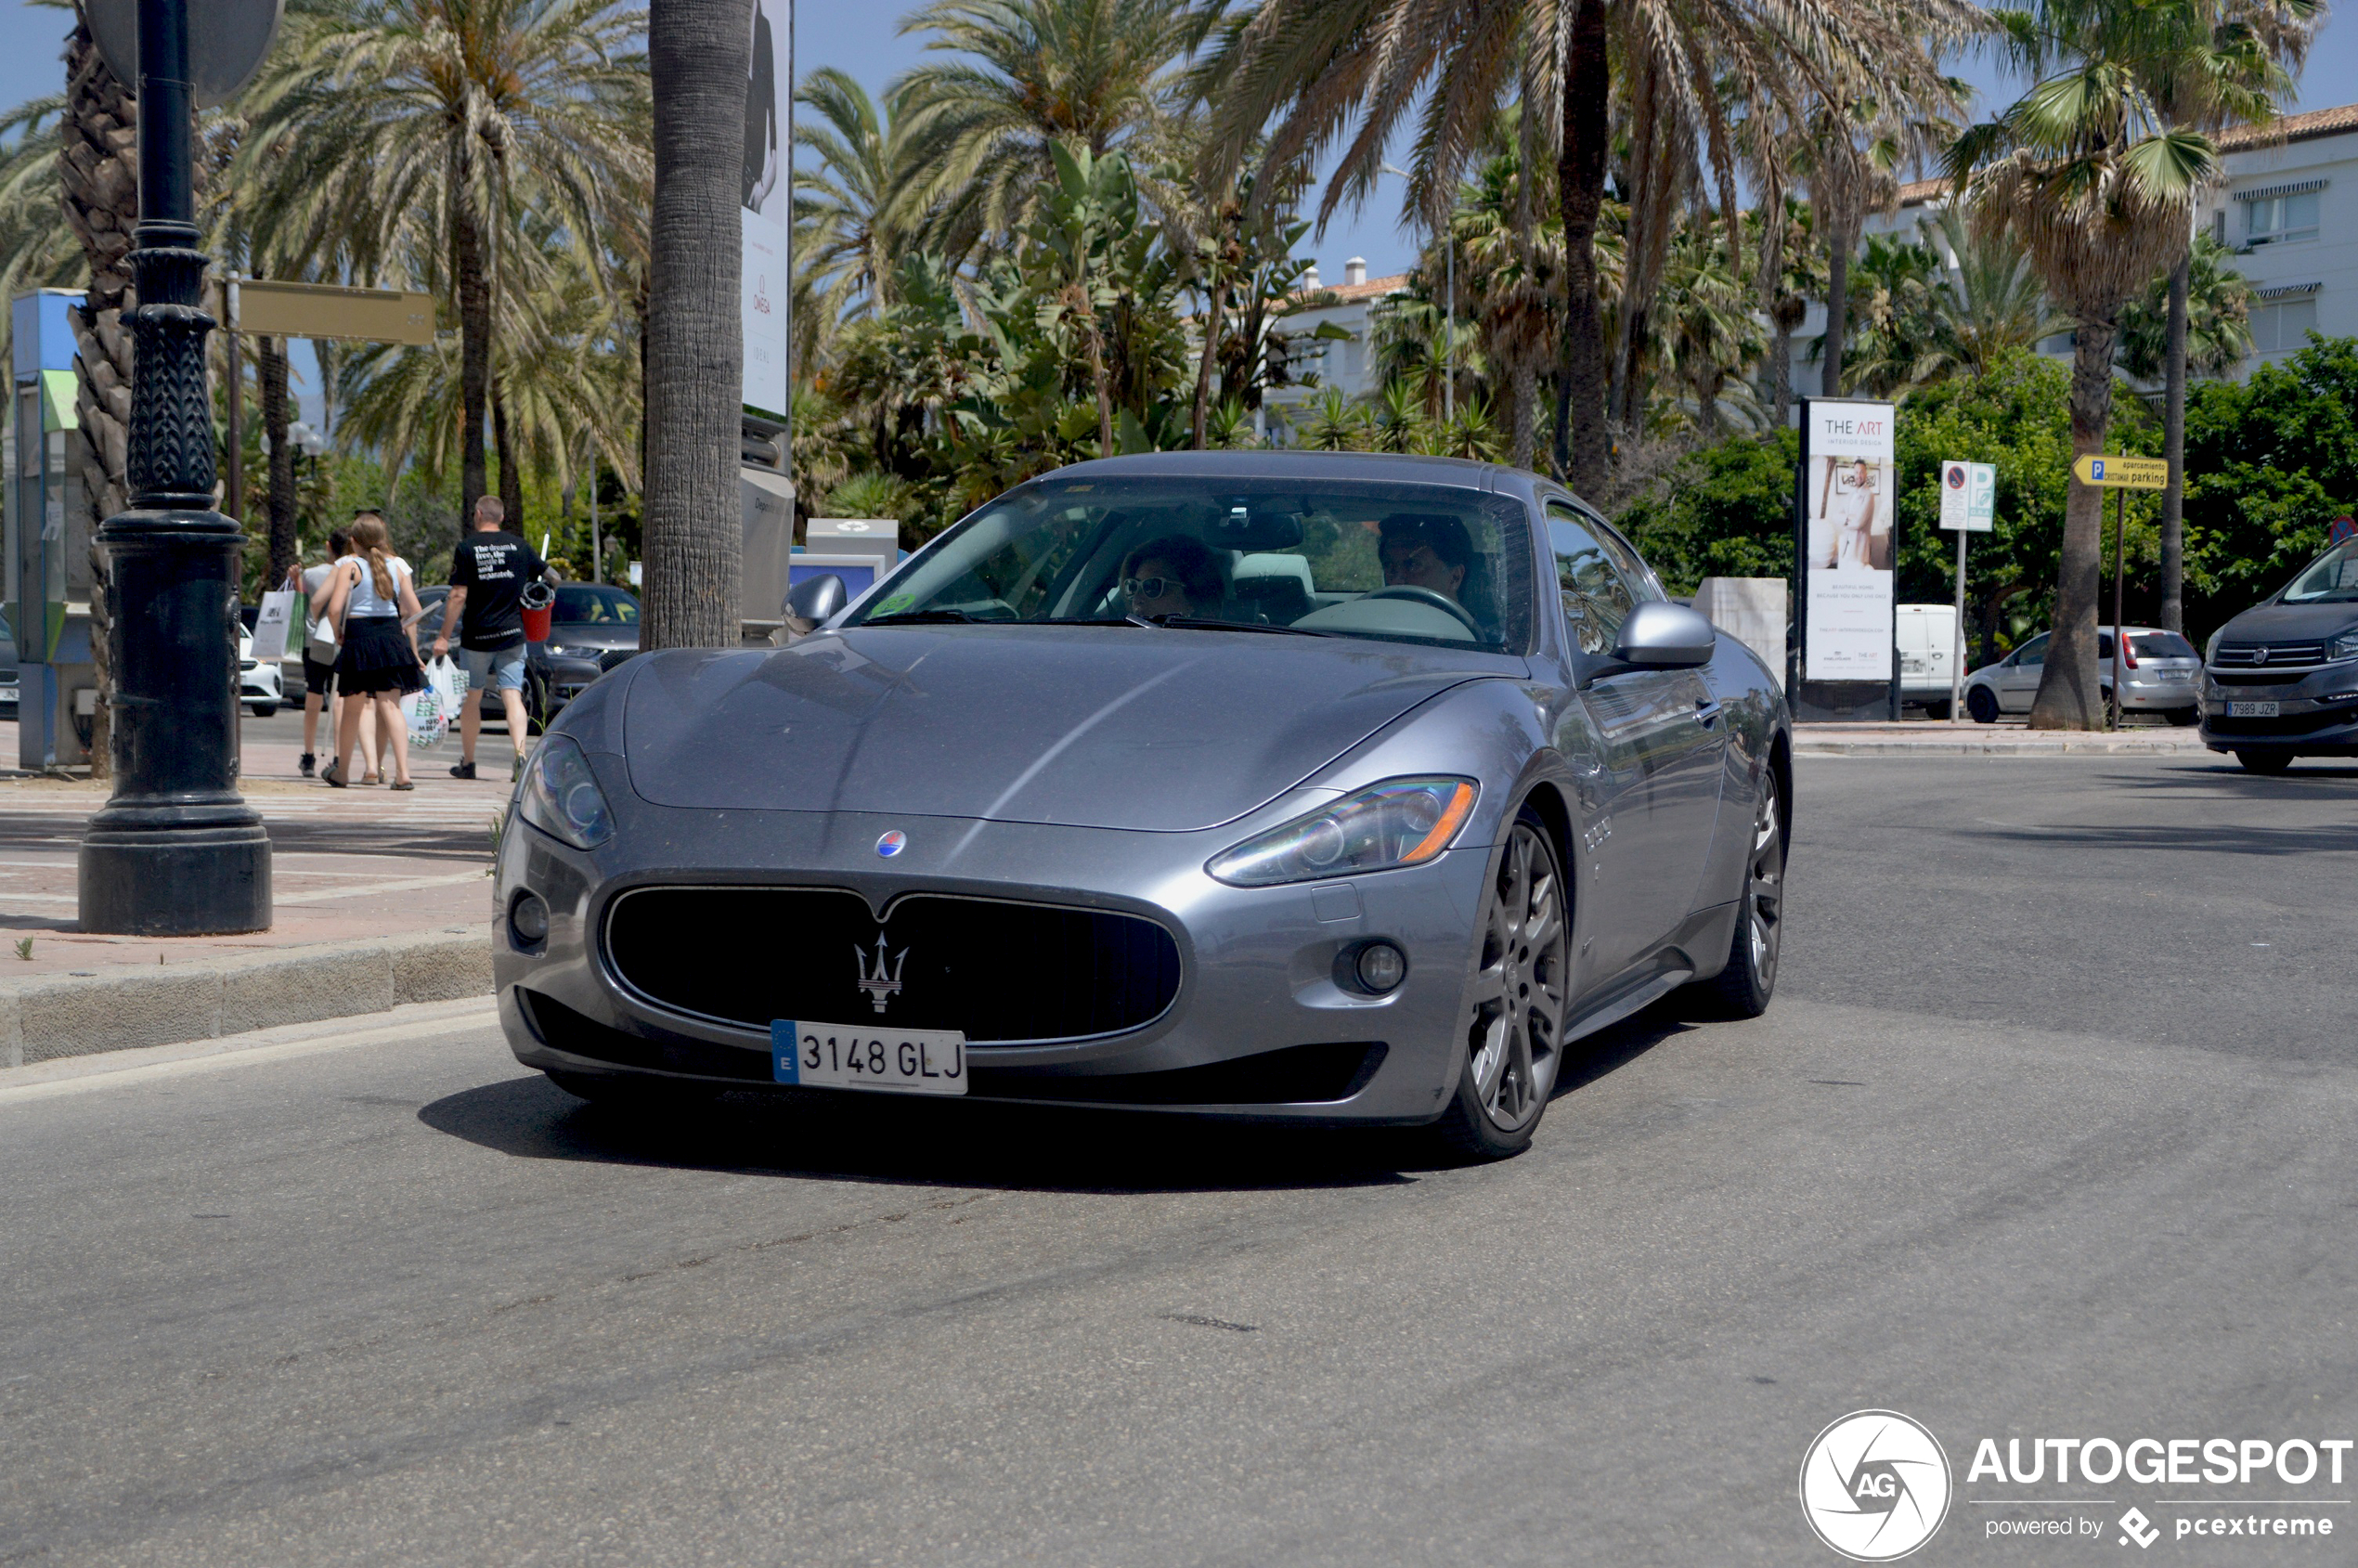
[1381,967]
[528,918]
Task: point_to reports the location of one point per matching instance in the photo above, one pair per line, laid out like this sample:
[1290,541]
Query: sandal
[407,783]
[329,776]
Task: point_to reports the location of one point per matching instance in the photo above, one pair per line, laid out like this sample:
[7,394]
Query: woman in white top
[1854,517]
[374,598]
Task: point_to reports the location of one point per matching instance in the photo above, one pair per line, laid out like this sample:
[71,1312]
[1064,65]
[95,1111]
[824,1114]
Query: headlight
[2211,648]
[2343,647]
[561,798]
[1400,822]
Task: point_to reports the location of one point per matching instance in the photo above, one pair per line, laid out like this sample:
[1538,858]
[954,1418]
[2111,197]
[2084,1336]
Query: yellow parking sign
[2122,474]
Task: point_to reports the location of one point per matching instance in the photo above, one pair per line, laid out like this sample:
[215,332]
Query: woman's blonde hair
[369,537]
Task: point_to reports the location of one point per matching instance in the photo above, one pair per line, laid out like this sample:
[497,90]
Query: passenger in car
[1172,576]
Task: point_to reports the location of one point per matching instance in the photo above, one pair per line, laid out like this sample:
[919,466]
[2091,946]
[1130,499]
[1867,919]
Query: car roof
[1400,467]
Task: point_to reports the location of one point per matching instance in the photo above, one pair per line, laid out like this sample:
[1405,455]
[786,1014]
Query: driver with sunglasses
[1171,576]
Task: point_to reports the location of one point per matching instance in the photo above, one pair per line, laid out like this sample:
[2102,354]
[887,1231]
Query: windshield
[1397,563]
[2334,576]
[596,606]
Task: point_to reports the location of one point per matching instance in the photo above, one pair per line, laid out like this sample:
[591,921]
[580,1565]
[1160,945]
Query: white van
[1928,640]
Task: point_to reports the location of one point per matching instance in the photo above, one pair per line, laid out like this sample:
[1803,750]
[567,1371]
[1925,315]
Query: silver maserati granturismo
[1314,787]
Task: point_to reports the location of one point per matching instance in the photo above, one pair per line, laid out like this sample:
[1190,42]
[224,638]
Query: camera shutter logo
[1875,1485]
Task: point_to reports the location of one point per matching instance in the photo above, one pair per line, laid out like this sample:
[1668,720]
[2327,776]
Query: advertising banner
[769,198]
[1846,535]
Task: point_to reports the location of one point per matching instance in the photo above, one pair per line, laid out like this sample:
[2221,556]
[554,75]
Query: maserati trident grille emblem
[882,986]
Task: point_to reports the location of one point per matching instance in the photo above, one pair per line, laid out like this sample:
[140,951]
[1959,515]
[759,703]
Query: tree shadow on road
[899,1140]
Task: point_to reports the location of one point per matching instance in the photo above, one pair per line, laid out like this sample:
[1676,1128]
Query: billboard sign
[1846,540]
[764,283]
[1968,497]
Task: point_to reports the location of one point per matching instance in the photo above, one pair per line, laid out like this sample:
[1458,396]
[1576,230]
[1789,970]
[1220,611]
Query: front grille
[2267,656]
[996,971]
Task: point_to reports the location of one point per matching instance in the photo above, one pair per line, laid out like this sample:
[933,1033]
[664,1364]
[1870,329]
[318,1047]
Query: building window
[2285,325]
[2281,220]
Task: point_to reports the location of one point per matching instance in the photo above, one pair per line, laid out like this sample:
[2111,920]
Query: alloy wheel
[1765,887]
[1515,1035]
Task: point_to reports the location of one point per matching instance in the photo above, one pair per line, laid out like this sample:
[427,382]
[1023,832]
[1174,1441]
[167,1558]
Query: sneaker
[463,769]
[306,764]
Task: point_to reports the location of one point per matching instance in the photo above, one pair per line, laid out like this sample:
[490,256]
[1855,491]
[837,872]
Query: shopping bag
[271,624]
[449,683]
[428,723]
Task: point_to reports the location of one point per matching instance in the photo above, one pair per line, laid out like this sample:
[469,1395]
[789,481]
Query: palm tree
[2098,188]
[1514,278]
[38,246]
[1355,69]
[410,135]
[699,53]
[1710,337]
[1092,75]
[1789,272]
[2212,302]
[849,238]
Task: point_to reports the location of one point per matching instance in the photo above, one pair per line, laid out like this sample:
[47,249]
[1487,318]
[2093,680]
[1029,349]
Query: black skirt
[377,657]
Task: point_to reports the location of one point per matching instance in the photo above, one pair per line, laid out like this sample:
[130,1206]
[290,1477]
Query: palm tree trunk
[698,52]
[1105,394]
[1841,240]
[2173,447]
[271,359]
[468,248]
[1583,452]
[510,471]
[1523,392]
[1779,367]
[2070,694]
[1215,301]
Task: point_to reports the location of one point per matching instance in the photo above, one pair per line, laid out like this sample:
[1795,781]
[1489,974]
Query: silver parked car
[2160,675]
[1286,785]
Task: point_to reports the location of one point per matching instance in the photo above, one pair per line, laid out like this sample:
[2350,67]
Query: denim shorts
[494,669]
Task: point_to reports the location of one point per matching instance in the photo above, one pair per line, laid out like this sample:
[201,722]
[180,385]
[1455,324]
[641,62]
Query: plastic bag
[427,719]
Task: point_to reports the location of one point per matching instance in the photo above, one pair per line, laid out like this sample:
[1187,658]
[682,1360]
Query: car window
[2332,575]
[2161,645]
[2033,653]
[591,604]
[2103,646]
[1389,561]
[1596,598]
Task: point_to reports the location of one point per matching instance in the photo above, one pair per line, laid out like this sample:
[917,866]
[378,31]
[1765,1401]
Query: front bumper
[2316,715]
[1258,967]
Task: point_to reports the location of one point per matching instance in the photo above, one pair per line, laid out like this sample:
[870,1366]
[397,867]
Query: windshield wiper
[918,617]
[1205,623]
[1096,620]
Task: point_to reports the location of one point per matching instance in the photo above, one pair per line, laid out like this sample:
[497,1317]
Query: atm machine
[48,530]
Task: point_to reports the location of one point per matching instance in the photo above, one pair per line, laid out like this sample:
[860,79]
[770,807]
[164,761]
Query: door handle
[1707,710]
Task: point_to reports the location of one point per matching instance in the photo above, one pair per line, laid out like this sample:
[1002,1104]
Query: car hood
[1076,726]
[600,635]
[2290,623]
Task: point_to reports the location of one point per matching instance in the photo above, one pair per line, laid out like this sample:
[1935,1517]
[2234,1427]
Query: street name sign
[1968,497]
[2122,474]
[327,310]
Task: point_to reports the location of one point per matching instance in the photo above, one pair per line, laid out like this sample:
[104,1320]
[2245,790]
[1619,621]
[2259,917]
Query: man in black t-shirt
[487,575]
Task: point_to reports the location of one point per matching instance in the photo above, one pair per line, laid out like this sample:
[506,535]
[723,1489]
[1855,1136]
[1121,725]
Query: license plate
[2252,711]
[2177,677]
[907,1061]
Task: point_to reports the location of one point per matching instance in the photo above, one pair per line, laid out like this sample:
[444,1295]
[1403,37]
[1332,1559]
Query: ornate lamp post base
[176,852]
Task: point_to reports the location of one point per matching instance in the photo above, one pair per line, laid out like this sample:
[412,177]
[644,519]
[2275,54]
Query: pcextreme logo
[1875,1485]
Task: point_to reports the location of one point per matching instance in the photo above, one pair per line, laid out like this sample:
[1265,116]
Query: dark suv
[2281,679]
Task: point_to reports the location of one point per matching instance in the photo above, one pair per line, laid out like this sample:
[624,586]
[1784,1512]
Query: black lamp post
[177,851]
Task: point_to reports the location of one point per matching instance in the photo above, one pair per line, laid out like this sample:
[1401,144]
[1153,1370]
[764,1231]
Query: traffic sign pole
[1957,654]
[2119,562]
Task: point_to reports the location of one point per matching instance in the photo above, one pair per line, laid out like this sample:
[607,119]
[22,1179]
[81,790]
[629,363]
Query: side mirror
[812,602]
[1664,636]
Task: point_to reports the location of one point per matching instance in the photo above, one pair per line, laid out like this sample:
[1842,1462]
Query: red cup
[539,606]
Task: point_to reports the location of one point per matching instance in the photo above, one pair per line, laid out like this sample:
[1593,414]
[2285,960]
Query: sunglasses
[1152,587]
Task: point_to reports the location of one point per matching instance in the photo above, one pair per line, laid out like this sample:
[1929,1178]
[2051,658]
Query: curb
[51,1016]
[1988,748]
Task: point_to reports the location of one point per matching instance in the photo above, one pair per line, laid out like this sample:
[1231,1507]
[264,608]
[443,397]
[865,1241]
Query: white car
[260,686]
[2162,674]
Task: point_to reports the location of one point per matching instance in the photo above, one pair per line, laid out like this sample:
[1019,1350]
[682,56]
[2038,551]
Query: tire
[1743,989]
[635,1096]
[1513,1027]
[2267,763]
[2184,717]
[1981,705]
[1937,712]
[263,710]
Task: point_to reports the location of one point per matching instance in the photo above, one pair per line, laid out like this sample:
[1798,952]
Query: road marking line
[74,1075]
[399,885]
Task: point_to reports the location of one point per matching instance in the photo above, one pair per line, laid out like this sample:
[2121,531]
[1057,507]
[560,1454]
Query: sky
[863,38]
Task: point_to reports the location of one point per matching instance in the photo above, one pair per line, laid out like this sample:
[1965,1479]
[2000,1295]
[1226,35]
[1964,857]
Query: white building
[1348,364]
[2288,206]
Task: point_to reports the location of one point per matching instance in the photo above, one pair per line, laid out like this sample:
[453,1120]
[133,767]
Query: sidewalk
[379,898]
[2006,738]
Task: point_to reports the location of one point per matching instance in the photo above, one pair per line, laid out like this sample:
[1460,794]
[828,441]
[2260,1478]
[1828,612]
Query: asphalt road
[2036,1141]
